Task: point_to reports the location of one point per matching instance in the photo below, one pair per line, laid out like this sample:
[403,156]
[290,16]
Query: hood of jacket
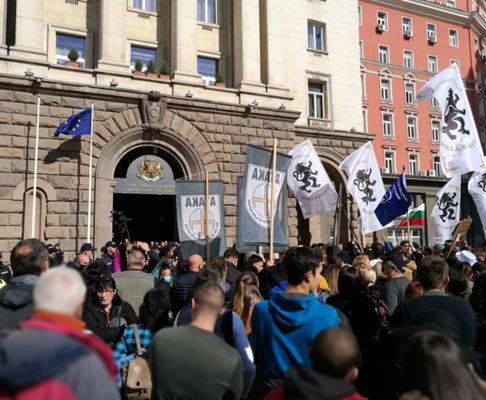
[306,384]
[41,349]
[18,292]
[290,313]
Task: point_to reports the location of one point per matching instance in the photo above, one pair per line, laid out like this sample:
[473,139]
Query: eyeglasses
[105,291]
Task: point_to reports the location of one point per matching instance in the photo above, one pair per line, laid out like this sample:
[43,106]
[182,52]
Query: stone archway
[156,127]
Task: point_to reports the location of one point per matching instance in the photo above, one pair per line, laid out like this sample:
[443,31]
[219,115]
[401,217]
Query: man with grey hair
[133,283]
[50,355]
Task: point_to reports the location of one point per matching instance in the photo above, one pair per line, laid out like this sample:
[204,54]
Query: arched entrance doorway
[144,195]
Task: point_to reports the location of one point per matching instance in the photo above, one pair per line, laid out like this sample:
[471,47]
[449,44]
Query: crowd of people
[383,322]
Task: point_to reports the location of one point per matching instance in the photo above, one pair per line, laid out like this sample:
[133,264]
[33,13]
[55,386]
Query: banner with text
[191,217]
[254,218]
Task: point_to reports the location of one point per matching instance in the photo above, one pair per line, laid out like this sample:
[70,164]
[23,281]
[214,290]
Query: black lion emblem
[482,182]
[447,206]
[303,173]
[454,121]
[363,183]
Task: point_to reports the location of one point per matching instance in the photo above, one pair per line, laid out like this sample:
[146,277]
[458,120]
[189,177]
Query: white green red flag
[415,216]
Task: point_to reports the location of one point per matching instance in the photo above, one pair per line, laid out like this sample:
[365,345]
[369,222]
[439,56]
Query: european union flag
[395,202]
[77,124]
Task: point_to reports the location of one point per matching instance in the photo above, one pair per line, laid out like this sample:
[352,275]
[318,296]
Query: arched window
[40,214]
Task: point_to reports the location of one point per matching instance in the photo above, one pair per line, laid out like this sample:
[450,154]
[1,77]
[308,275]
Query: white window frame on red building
[408,59]
[453,37]
[431,57]
[386,90]
[407,26]
[382,18]
[435,130]
[389,160]
[389,123]
[413,153]
[383,54]
[411,121]
[410,93]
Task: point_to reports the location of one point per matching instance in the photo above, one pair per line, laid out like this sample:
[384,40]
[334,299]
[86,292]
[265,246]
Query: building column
[113,37]
[30,30]
[247,45]
[274,46]
[183,41]
[3,27]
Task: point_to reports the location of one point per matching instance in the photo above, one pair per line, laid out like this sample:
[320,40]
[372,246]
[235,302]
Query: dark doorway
[148,217]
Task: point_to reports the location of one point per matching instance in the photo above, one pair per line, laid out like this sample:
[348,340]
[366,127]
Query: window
[65,43]
[317,104]
[409,93]
[143,54]
[361,49]
[407,26]
[389,161]
[363,86]
[383,54]
[455,62]
[360,16]
[207,68]
[434,103]
[411,127]
[146,5]
[387,124]
[453,38]
[316,36]
[365,120]
[206,11]
[432,64]
[431,32]
[436,165]
[435,130]
[382,20]
[481,107]
[407,59]
[451,3]
[385,91]
[413,166]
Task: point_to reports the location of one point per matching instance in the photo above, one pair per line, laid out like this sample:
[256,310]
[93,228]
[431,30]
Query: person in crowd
[478,303]
[432,273]
[368,321]
[378,252]
[80,264]
[361,262]
[88,249]
[466,269]
[182,352]
[49,356]
[28,260]
[435,369]
[133,283]
[332,272]
[478,268]
[105,313]
[413,290]
[231,259]
[56,256]
[394,290]
[182,288]
[284,326]
[245,297]
[335,357]
[458,284]
[229,326]
[5,272]
[106,259]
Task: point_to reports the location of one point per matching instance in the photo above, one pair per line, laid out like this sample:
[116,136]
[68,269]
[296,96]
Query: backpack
[136,377]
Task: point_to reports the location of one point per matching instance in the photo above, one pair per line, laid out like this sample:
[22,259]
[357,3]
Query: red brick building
[403,44]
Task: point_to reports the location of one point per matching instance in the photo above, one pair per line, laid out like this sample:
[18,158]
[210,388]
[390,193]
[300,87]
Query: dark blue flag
[395,202]
[77,124]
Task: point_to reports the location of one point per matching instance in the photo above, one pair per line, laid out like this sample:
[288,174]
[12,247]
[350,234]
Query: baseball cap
[397,260]
[87,247]
[111,244]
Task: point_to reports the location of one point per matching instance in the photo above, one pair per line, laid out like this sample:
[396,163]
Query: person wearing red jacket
[49,356]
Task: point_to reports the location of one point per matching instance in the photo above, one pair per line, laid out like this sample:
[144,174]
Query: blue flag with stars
[77,124]
[395,202]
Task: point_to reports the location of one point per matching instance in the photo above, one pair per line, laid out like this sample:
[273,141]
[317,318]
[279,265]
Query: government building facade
[183,85]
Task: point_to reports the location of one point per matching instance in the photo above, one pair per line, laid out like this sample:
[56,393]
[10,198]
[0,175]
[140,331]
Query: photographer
[56,256]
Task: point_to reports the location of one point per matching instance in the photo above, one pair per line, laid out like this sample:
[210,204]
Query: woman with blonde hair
[245,296]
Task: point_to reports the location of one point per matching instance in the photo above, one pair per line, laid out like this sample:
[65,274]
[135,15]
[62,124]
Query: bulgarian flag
[416,217]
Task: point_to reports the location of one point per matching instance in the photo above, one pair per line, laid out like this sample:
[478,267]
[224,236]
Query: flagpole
[36,156]
[272,199]
[90,176]
[408,224]
[206,212]
[337,215]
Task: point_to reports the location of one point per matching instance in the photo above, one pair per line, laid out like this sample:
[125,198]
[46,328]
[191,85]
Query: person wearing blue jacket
[284,327]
